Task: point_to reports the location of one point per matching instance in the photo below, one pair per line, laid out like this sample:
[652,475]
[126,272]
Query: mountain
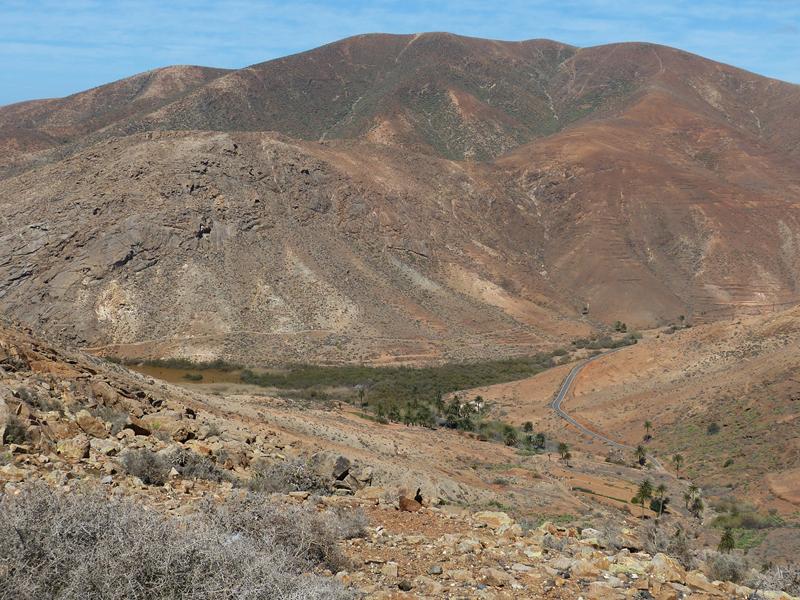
[408,198]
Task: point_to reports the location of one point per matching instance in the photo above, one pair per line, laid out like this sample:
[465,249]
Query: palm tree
[648,425]
[641,454]
[661,490]
[677,460]
[563,450]
[697,508]
[727,542]
[644,493]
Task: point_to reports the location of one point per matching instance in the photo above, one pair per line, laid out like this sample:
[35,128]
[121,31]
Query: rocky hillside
[75,423]
[409,198]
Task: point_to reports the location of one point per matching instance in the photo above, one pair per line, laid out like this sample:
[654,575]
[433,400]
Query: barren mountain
[401,198]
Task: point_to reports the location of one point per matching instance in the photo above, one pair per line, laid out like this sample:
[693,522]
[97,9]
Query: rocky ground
[70,420]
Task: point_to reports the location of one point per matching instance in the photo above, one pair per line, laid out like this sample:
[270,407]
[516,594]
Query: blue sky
[53,48]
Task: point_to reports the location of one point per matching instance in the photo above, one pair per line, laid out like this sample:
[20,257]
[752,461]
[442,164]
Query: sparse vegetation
[727,566]
[154,468]
[677,460]
[292,475]
[656,537]
[607,342]
[15,431]
[85,545]
[778,577]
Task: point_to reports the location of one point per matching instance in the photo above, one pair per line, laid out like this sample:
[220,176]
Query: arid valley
[404,316]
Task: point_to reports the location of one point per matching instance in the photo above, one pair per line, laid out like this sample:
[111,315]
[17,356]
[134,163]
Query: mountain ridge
[426,189]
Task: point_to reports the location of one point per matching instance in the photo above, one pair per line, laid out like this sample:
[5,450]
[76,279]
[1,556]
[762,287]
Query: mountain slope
[43,124]
[440,93]
[326,210]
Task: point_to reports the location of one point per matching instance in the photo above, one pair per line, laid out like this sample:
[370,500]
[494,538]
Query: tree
[641,454]
[644,493]
[510,436]
[563,449]
[539,441]
[527,427]
[648,425]
[691,493]
[677,460]
[697,508]
[727,542]
[661,491]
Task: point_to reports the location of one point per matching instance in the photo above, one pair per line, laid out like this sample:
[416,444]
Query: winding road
[556,402]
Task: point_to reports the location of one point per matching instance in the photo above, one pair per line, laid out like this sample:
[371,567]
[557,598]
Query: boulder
[137,426]
[665,569]
[602,590]
[5,414]
[497,578]
[91,426]
[341,467]
[75,448]
[12,474]
[494,520]
[371,493]
[105,447]
[105,393]
[390,570]
[409,504]
[584,568]
[699,581]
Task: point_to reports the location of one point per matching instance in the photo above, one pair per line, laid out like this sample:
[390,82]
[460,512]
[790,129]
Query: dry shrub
[117,418]
[349,523]
[291,475]
[196,466]
[785,578]
[148,466]
[308,536]
[154,468]
[15,431]
[668,538]
[85,545]
[727,567]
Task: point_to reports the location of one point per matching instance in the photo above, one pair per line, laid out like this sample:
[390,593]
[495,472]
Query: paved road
[555,404]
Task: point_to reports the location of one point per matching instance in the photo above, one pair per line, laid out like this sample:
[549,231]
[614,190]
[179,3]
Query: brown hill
[638,180]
